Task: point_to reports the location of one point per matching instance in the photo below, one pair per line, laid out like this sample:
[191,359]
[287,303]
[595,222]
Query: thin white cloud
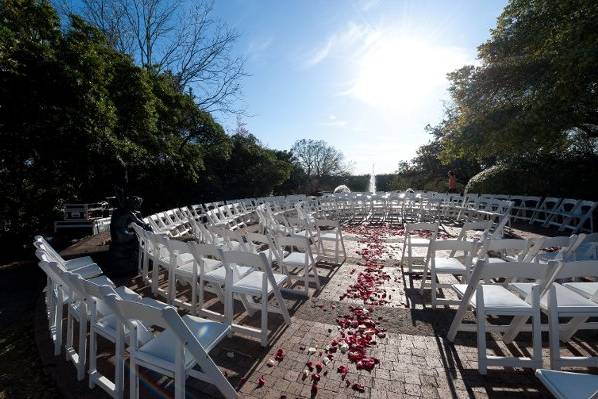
[258,46]
[318,55]
[333,121]
[366,5]
[341,43]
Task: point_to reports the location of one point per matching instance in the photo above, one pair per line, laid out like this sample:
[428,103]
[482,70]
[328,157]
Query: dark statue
[124,248]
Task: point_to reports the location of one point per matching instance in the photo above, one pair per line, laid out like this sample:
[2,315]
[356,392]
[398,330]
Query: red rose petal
[358,387]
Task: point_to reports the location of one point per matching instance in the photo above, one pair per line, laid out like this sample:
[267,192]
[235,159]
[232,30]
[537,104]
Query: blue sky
[364,75]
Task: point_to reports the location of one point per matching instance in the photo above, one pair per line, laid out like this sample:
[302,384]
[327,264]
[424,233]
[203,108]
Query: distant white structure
[342,189]
[372,187]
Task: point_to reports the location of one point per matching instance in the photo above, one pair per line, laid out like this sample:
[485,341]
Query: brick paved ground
[415,359]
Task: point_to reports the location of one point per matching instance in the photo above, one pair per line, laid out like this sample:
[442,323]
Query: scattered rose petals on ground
[358,387]
[261,381]
[279,355]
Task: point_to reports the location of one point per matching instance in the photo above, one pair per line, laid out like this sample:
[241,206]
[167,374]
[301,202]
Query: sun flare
[400,72]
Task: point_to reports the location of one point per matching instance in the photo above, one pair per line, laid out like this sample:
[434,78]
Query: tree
[76,115]
[168,35]
[535,89]
[318,158]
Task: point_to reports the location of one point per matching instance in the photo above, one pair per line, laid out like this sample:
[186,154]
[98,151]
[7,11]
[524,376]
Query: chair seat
[219,275]
[568,301]
[329,235]
[77,263]
[161,351]
[295,258]
[124,293]
[305,233]
[563,384]
[101,280]
[419,241]
[475,259]
[89,271]
[106,327]
[252,283]
[186,270]
[497,299]
[449,265]
[586,289]
[545,257]
[270,254]
[182,259]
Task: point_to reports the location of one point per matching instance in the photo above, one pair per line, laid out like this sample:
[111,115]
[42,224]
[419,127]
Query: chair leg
[133,377]
[82,355]
[434,287]
[316,276]
[481,326]
[93,353]
[58,323]
[306,280]
[179,373]
[553,323]
[155,275]
[119,367]
[194,296]
[69,332]
[537,339]
[264,320]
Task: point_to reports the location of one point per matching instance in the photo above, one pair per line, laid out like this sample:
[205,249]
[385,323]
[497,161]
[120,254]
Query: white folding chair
[411,243]
[260,282]
[482,227]
[262,243]
[103,322]
[299,262]
[164,258]
[179,351]
[503,250]
[447,265]
[182,267]
[493,299]
[85,266]
[567,385]
[331,233]
[559,300]
[558,248]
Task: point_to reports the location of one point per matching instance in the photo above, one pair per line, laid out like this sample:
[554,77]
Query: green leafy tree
[78,117]
[535,89]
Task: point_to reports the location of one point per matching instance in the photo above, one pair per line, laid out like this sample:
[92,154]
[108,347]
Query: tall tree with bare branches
[181,37]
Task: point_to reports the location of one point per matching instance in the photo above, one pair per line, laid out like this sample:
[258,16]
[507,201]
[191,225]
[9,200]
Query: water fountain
[372,187]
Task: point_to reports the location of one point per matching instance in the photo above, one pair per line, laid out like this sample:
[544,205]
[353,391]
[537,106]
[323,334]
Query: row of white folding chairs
[319,231]
[124,318]
[442,256]
[227,271]
[174,222]
[289,248]
[234,214]
[504,289]
[428,206]
[564,213]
